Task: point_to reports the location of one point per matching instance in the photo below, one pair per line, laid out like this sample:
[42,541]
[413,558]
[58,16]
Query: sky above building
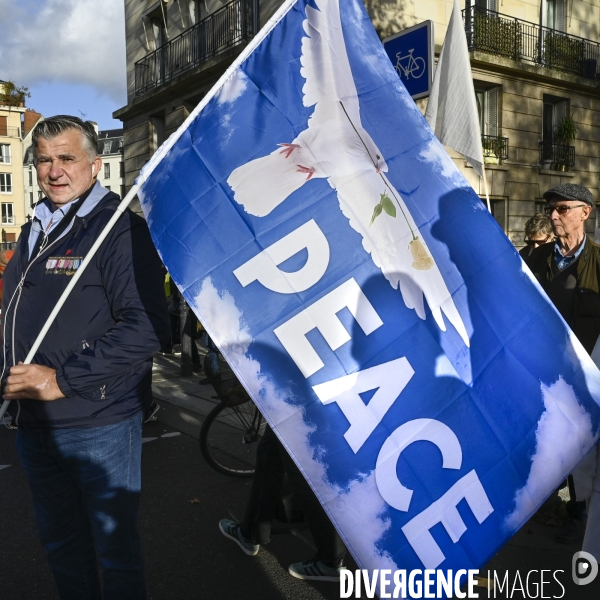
[69,53]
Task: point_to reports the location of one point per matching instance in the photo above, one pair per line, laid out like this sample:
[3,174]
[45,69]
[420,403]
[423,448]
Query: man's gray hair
[53,126]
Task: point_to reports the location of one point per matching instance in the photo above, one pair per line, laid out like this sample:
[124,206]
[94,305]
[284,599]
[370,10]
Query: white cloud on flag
[233,88]
[441,163]
[66,41]
[370,523]
[563,437]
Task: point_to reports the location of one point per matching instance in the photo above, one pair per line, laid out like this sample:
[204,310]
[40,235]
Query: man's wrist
[62,384]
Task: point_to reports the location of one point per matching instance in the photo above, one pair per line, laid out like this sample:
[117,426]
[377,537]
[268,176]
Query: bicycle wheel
[398,66]
[418,67]
[229,437]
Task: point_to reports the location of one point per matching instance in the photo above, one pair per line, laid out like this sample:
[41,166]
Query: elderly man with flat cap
[569,272]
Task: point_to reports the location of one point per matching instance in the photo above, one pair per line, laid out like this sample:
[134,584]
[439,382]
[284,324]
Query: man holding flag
[82,398]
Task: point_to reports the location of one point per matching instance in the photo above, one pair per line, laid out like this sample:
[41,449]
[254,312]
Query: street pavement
[183,500]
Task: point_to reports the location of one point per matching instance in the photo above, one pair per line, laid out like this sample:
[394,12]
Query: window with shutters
[157,131]
[554,14]
[495,147]
[553,150]
[5,154]
[5,183]
[484,4]
[499,211]
[8,217]
[555,109]
[487,108]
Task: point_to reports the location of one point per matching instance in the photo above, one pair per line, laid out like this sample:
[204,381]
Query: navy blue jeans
[86,486]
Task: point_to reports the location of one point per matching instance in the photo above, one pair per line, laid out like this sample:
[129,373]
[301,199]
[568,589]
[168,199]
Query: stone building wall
[13,197]
[516,186]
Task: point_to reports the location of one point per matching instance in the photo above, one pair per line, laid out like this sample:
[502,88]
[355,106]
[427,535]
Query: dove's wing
[262,184]
[340,144]
[324,59]
[388,239]
[330,86]
[334,142]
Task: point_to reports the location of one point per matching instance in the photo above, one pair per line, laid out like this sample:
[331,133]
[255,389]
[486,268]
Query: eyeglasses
[561,209]
[539,242]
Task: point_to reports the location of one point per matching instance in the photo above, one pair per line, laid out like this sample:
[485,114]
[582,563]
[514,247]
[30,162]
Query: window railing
[494,147]
[231,25]
[11,132]
[556,156]
[494,33]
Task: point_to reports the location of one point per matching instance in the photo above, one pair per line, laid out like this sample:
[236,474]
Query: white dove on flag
[335,146]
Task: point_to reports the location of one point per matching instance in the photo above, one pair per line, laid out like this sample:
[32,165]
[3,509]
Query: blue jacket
[104,337]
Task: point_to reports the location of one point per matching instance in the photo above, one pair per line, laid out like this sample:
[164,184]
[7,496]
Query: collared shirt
[564,261]
[45,220]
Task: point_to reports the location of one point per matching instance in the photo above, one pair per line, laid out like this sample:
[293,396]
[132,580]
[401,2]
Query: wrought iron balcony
[494,33]
[557,155]
[233,24]
[12,132]
[495,148]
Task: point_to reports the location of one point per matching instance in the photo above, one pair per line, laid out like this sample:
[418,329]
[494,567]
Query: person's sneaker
[572,531]
[154,408]
[315,570]
[230,529]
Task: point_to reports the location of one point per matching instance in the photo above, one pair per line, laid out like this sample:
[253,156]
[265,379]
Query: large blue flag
[366,299]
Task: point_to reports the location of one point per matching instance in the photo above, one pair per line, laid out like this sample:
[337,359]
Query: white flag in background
[452,107]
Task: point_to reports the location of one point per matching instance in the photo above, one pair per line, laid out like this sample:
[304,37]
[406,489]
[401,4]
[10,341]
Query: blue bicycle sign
[411,54]
[410,66]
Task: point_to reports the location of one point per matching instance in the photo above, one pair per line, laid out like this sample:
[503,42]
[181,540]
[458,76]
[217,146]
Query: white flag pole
[485,187]
[86,261]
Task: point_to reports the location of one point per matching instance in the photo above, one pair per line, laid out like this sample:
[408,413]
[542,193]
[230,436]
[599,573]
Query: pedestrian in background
[538,231]
[569,272]
[272,464]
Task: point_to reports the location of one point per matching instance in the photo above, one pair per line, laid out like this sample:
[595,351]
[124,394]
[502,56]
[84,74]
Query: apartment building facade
[12,205]
[110,150]
[535,65]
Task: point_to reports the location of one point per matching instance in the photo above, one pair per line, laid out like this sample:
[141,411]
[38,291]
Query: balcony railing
[233,24]
[493,33]
[557,155]
[494,147]
[13,132]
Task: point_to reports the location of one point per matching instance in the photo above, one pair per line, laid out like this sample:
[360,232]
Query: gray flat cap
[570,191]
